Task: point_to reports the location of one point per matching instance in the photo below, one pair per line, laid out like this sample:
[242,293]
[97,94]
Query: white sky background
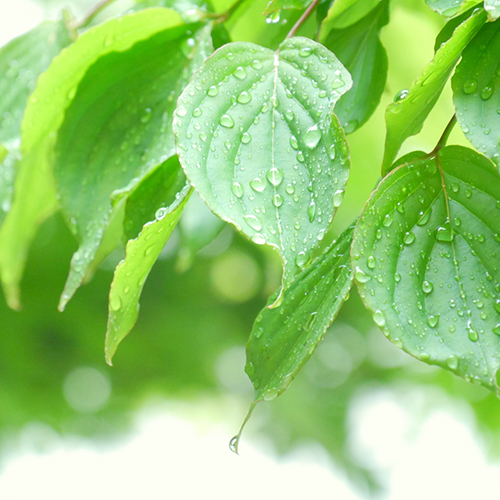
[179,450]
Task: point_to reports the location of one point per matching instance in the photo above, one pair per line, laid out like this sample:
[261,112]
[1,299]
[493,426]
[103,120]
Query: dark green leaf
[277,5]
[258,141]
[476,91]
[131,274]
[159,189]
[344,13]
[359,49]
[405,117]
[426,259]
[284,338]
[118,128]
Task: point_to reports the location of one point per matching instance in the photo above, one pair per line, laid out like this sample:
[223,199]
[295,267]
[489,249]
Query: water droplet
[301,259]
[256,64]
[337,83]
[427,287]
[246,138]
[240,73]
[277,200]
[289,115]
[470,86]
[161,213]
[497,306]
[402,94]
[311,210]
[409,238]
[361,276]
[432,321]
[270,394]
[258,185]
[253,221]
[305,52]
[452,362]
[213,91]
[337,198]
[275,176]
[290,189]
[473,336]
[226,121]
[496,329]
[115,304]
[371,262]
[425,218]
[197,112]
[238,191]
[387,220]
[181,111]
[293,143]
[233,444]
[273,18]
[379,318]
[312,137]
[244,97]
[487,92]
[259,239]
[445,234]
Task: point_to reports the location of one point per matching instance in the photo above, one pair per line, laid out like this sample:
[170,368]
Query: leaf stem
[303,18]
[93,13]
[445,136]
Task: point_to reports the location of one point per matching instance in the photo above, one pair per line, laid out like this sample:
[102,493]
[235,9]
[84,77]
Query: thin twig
[445,136]
[93,13]
[303,18]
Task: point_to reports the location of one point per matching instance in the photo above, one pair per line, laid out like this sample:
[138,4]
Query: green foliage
[117,131]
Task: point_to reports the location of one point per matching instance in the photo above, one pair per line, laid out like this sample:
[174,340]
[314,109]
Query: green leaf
[492,7]
[131,273]
[8,163]
[284,338]
[405,117]
[426,259]
[359,49]
[344,13]
[451,8]
[21,62]
[159,189]
[476,91]
[117,125]
[277,5]
[258,141]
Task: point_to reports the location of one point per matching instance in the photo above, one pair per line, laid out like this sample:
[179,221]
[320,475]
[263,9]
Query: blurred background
[362,420]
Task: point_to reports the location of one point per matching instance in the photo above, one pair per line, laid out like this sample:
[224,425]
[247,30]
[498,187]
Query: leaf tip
[12,297]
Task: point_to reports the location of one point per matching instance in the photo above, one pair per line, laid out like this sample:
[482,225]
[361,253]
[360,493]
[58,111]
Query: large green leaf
[344,13]
[492,7]
[426,259]
[405,117]
[359,49]
[258,140]
[284,338]
[476,91]
[131,273]
[21,62]
[117,127]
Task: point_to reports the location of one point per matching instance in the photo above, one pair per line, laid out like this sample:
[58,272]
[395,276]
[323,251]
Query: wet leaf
[492,7]
[117,125]
[131,273]
[426,259]
[21,62]
[451,8]
[405,117]
[359,49]
[258,141]
[476,91]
